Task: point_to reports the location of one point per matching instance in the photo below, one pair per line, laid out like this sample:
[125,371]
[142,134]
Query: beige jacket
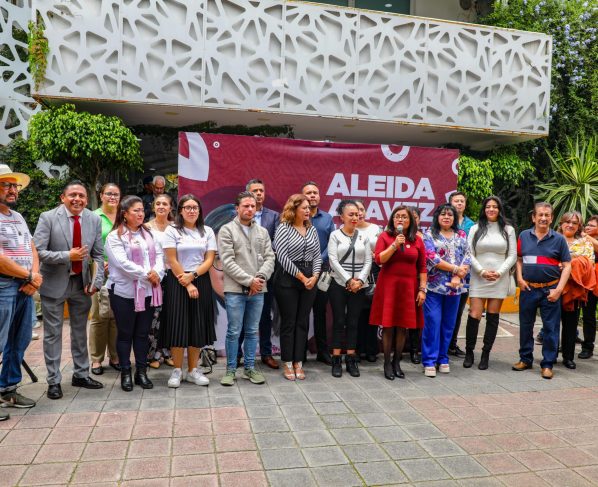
[244,256]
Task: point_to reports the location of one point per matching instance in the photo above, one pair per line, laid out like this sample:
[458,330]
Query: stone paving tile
[50,473]
[536,460]
[238,461]
[68,452]
[157,447]
[423,469]
[268,441]
[282,458]
[522,480]
[351,436]
[297,477]
[404,450]
[337,476]
[313,438]
[560,478]
[113,450]
[99,471]
[10,476]
[500,463]
[359,454]
[193,464]
[441,448]
[191,481]
[141,468]
[325,455]
[462,467]
[257,479]
[380,473]
[571,457]
[18,454]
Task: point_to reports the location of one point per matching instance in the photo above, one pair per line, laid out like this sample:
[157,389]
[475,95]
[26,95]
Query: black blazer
[270,221]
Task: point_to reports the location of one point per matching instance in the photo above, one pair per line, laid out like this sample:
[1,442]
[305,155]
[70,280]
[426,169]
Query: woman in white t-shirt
[190,247]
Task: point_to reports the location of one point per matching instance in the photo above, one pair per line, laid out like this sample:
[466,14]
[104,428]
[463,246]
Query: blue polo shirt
[324,226]
[541,258]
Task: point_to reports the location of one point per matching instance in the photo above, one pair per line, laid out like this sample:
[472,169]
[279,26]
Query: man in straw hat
[19,279]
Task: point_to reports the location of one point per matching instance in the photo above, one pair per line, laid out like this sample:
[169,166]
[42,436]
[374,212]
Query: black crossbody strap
[351,248]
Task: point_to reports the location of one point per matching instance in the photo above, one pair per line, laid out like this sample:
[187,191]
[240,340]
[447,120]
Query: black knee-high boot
[489,337]
[471,336]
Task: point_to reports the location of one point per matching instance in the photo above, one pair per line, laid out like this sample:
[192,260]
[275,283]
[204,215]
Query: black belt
[5,276]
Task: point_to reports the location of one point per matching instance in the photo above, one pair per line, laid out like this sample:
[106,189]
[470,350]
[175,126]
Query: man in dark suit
[69,240]
[269,219]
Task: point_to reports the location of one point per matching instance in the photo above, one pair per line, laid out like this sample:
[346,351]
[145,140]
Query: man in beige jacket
[248,261]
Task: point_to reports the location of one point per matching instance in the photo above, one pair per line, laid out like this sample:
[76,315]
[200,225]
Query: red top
[394,302]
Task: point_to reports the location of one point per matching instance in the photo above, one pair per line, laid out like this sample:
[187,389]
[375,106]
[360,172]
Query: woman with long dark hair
[162,209]
[136,266]
[447,256]
[190,248]
[493,247]
[350,260]
[298,254]
[401,286]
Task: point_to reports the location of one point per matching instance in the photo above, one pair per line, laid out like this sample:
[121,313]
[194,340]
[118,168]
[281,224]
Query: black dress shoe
[569,364]
[324,357]
[415,358]
[86,383]
[457,352]
[584,354]
[97,370]
[389,372]
[54,391]
[115,366]
[126,381]
[142,380]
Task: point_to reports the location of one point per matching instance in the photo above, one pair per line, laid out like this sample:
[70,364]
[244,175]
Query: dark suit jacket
[270,221]
[53,240]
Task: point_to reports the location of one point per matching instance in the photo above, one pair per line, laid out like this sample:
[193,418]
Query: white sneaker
[34,336]
[197,377]
[444,368]
[175,378]
[430,371]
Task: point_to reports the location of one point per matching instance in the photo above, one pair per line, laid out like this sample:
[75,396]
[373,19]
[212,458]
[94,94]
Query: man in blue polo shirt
[543,268]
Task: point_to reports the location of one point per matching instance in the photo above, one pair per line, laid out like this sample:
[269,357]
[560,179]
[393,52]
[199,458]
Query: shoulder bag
[326,277]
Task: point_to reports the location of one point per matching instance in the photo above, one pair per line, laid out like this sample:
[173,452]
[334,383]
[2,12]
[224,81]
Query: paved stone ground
[468,428]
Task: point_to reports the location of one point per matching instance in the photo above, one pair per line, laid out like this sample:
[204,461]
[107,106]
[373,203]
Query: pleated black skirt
[188,322]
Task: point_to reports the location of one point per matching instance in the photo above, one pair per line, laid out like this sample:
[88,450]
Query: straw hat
[6,173]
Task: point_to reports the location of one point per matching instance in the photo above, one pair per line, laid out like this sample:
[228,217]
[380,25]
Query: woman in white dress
[493,247]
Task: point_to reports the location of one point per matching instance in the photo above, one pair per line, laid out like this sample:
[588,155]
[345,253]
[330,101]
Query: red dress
[394,302]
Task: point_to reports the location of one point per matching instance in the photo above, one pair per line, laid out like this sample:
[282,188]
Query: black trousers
[367,335]
[346,308]
[569,320]
[320,302]
[462,302]
[294,305]
[133,330]
[589,323]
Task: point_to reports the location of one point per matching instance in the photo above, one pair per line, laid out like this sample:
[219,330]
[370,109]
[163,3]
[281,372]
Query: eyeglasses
[6,185]
[190,209]
[112,195]
[401,217]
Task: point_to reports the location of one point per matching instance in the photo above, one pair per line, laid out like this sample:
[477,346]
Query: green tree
[43,193]
[574,183]
[91,145]
[475,179]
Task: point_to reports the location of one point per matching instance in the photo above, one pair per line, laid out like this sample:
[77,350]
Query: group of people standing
[148,284]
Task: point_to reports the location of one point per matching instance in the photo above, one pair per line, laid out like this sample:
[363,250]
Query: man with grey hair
[159,186]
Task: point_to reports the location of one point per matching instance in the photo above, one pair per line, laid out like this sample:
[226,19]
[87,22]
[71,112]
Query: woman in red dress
[401,286]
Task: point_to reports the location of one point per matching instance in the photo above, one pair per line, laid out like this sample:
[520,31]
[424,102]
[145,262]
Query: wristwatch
[424,290]
[195,275]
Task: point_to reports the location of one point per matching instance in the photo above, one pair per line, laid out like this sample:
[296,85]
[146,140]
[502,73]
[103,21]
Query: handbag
[208,358]
[512,289]
[104,310]
[326,277]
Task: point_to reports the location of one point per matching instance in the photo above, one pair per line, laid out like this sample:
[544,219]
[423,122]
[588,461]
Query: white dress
[490,254]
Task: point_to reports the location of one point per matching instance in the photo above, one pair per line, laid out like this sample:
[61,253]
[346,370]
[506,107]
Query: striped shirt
[15,239]
[357,264]
[291,247]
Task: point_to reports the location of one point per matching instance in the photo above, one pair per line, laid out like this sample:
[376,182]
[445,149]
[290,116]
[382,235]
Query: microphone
[400,231]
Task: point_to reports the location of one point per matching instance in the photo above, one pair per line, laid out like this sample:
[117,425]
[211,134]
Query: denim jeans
[529,302]
[15,331]
[243,313]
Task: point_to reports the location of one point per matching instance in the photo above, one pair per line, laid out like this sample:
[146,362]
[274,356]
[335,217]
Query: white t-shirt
[190,246]
[15,239]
